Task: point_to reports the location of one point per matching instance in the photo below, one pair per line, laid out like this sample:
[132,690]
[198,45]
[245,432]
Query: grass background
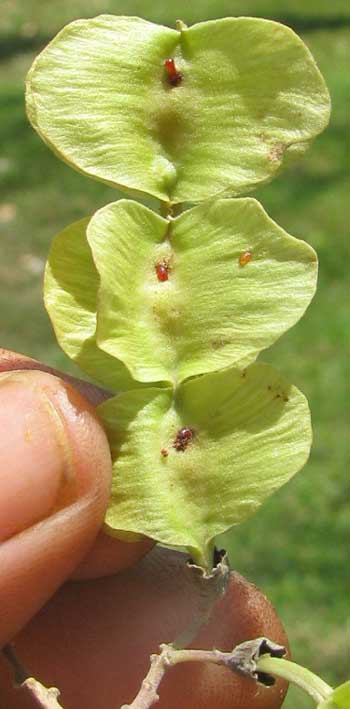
[297,547]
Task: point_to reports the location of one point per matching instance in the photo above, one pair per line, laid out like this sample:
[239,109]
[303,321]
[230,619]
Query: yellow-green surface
[210,313]
[297,546]
[340,698]
[70,296]
[99,96]
[250,433]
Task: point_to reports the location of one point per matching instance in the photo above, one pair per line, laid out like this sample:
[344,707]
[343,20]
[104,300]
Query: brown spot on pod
[277,151]
[221,342]
[164,453]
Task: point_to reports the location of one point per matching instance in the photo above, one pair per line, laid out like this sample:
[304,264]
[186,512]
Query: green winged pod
[339,698]
[170,299]
[71,286]
[172,311]
[190,464]
[238,95]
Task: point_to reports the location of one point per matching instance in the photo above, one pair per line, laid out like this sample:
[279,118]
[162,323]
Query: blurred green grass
[36,17]
[297,546]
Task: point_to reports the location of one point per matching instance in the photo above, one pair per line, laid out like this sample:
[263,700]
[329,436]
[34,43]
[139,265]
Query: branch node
[245,656]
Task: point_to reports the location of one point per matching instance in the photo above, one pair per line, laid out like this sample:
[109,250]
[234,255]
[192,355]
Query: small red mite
[174,76]
[183,438]
[164,452]
[245,257]
[162,272]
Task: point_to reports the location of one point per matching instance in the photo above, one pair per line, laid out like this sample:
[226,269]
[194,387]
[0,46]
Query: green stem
[203,560]
[300,676]
[180,25]
[165,209]
[168,209]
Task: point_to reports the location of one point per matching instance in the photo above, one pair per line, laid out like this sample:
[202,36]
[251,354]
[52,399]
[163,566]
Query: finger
[14,361]
[104,631]
[55,483]
[108,555]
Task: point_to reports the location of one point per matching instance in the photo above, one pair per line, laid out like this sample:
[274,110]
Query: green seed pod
[339,699]
[183,114]
[173,311]
[242,435]
[168,300]
[71,286]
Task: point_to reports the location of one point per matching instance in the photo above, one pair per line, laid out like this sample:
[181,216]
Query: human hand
[93,638]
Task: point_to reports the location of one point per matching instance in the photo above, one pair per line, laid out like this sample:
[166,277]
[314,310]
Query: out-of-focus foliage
[45,18]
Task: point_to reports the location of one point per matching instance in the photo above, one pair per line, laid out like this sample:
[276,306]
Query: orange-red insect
[174,76]
[162,272]
[245,257]
[183,438]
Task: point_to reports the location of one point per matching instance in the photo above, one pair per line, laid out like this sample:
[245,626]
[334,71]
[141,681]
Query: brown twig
[243,659]
[46,698]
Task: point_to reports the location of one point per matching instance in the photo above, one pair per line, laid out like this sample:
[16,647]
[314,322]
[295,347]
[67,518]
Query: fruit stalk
[313,685]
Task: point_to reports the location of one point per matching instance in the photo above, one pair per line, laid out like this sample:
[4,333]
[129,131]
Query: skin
[93,637]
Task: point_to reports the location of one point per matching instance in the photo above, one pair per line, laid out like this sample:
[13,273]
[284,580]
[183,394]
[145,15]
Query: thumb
[55,473]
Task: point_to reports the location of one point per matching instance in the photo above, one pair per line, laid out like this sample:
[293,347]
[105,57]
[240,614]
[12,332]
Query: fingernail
[35,465]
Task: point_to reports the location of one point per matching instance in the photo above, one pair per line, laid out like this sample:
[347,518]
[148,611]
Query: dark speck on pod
[164,452]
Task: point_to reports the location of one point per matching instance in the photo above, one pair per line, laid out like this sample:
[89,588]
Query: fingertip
[36,470]
[63,496]
[109,555]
